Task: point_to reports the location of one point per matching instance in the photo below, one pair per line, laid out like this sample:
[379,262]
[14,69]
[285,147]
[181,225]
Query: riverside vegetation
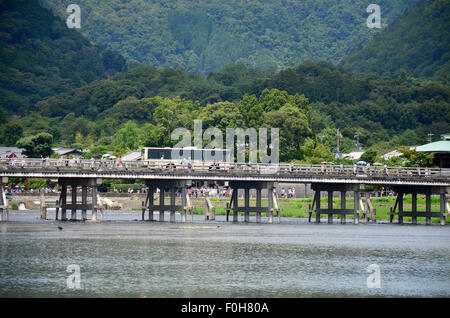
[59,89]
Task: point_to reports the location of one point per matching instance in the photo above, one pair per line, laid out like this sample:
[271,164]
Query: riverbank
[299,207]
[292,207]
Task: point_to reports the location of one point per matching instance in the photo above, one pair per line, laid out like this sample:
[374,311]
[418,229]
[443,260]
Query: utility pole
[357,134]
[430,137]
[338,151]
[338,135]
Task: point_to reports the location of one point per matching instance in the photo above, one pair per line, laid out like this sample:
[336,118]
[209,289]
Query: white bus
[173,157]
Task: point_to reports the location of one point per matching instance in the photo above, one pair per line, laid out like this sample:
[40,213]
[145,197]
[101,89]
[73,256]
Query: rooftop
[354,155]
[132,156]
[437,146]
[8,151]
[63,151]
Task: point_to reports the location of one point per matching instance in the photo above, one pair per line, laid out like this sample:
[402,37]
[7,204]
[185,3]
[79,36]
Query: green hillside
[416,44]
[41,57]
[203,36]
[380,108]
[54,81]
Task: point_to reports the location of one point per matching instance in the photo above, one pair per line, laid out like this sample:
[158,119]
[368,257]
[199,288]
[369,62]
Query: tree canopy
[203,36]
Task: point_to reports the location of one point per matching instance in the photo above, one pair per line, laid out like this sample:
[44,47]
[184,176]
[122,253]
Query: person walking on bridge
[399,170]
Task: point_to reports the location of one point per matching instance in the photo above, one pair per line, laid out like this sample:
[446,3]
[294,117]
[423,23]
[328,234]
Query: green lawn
[299,207]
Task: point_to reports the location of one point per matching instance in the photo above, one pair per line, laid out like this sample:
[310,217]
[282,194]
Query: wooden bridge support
[43,205]
[414,213]
[329,211]
[369,211]
[4,211]
[210,210]
[74,206]
[172,187]
[233,205]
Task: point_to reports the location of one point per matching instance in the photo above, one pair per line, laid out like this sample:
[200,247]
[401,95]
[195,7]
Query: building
[391,154]
[75,153]
[7,152]
[134,155]
[354,155]
[395,153]
[441,150]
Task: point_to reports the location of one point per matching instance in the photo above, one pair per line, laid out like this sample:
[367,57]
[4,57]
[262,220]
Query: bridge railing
[30,164]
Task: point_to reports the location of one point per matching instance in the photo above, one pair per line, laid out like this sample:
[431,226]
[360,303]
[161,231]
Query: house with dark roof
[134,155]
[7,152]
[75,153]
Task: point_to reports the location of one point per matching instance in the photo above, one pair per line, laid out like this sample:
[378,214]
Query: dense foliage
[416,44]
[308,103]
[41,57]
[203,36]
[36,146]
[313,104]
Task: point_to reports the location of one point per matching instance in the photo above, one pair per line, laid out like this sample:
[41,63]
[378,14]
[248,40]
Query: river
[124,257]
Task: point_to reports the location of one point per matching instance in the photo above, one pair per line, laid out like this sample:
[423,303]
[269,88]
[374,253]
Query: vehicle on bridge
[167,157]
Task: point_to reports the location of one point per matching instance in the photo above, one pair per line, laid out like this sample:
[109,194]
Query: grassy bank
[299,207]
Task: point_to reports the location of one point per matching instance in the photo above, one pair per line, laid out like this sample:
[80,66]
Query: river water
[124,257]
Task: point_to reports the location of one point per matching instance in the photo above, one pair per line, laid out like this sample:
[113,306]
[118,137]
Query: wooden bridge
[173,179]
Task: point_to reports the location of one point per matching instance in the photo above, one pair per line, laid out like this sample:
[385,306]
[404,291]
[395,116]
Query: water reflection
[217,259]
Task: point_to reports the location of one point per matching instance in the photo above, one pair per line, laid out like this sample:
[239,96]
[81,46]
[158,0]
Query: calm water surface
[124,257]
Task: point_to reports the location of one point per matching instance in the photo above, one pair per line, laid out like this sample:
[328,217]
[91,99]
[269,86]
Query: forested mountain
[203,36]
[52,80]
[415,44]
[41,57]
[380,108]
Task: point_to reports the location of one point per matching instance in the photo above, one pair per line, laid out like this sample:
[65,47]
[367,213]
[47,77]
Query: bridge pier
[74,206]
[4,210]
[233,205]
[414,213]
[172,187]
[330,211]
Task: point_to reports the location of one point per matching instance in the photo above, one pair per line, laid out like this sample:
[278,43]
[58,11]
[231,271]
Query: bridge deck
[282,173]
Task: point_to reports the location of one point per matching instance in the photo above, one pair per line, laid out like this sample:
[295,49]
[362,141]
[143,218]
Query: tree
[251,110]
[315,152]
[11,133]
[414,158]
[83,141]
[127,138]
[369,156]
[273,99]
[294,128]
[152,136]
[221,115]
[36,146]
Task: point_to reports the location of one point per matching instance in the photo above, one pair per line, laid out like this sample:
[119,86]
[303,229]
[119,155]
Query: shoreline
[290,207]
